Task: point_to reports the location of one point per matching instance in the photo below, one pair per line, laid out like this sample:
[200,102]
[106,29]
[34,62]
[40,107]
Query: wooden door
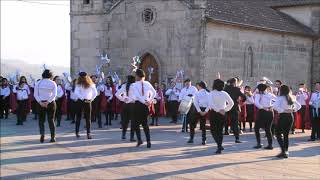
[147,62]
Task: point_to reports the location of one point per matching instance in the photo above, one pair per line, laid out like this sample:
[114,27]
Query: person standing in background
[59,99]
[4,98]
[22,91]
[302,97]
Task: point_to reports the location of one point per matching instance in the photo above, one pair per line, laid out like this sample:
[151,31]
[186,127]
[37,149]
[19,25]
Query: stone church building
[278,39]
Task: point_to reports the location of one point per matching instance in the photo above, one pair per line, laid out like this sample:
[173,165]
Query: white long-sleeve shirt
[60,91]
[173,94]
[107,92]
[262,101]
[45,90]
[220,100]
[89,93]
[22,93]
[315,100]
[149,91]
[186,91]
[125,97]
[302,98]
[201,99]
[73,96]
[5,91]
[281,104]
[249,100]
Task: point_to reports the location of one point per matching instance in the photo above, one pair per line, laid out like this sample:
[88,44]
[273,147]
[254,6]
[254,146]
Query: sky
[36,33]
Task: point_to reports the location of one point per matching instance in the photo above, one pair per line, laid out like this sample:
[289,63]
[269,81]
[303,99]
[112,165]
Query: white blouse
[22,93]
[281,104]
[220,100]
[89,93]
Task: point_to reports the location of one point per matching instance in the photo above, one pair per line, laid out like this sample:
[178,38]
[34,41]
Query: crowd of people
[268,106]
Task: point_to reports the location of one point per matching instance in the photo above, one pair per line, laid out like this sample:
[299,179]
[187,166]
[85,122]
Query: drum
[185,104]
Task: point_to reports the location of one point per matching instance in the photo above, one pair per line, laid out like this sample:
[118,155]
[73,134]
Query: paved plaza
[108,157]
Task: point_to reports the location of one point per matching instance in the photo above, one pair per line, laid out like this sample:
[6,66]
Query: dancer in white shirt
[220,102]
[173,104]
[302,96]
[22,91]
[4,98]
[190,91]
[125,95]
[144,94]
[59,99]
[201,103]
[45,92]
[285,104]
[109,92]
[86,91]
[264,101]
[249,107]
[73,100]
[315,112]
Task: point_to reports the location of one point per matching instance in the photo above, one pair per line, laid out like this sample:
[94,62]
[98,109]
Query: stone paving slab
[108,157]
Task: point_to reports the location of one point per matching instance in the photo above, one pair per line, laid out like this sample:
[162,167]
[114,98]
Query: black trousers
[35,108]
[59,110]
[250,115]
[84,107]
[216,126]
[141,113]
[315,123]
[283,128]
[264,120]
[73,109]
[302,112]
[234,121]
[4,107]
[96,114]
[189,117]
[50,113]
[22,111]
[173,110]
[126,117]
[108,113]
[194,121]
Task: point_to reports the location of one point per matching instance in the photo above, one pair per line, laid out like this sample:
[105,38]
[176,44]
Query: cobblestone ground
[108,157]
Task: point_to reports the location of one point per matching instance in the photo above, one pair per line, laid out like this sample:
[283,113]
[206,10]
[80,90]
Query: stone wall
[173,38]
[229,50]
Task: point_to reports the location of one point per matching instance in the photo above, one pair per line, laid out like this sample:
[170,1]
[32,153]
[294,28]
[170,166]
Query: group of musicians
[274,109]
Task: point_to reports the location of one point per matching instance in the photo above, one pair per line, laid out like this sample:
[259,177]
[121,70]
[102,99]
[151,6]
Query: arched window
[148,16]
[248,62]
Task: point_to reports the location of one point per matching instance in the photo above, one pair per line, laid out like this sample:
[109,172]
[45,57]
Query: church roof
[259,14]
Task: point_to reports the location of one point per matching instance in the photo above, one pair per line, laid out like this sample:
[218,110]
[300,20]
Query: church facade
[248,38]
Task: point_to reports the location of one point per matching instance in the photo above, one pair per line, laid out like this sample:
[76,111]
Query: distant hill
[9,67]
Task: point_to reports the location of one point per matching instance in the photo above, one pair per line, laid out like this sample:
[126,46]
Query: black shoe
[221,148]
[151,124]
[77,135]
[42,139]
[53,140]
[293,132]
[132,140]
[204,142]
[139,143]
[226,133]
[182,130]
[280,155]
[123,137]
[190,141]
[149,145]
[312,139]
[218,151]
[72,122]
[157,124]
[237,141]
[89,136]
[286,154]
[268,147]
[110,124]
[302,131]
[258,146]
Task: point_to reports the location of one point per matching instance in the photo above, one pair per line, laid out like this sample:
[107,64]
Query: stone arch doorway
[148,61]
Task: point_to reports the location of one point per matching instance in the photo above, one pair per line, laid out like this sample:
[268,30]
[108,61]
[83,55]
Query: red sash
[103,102]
